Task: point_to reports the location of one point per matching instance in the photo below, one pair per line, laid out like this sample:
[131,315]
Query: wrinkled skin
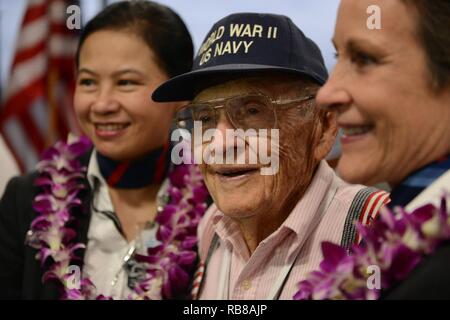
[260,203]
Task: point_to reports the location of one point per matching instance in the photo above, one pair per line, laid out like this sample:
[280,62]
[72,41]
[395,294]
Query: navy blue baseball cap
[246,43]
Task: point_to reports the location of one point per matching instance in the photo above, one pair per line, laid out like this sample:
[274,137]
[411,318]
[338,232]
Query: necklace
[168,266]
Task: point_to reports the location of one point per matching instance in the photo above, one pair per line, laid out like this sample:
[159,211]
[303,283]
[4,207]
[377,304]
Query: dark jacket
[431,279]
[20,271]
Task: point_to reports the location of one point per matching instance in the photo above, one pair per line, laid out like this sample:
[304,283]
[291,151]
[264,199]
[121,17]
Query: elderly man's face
[240,193]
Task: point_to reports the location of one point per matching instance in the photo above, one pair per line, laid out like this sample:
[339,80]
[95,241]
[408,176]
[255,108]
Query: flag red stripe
[33,132]
[60,29]
[19,103]
[28,53]
[65,65]
[34,13]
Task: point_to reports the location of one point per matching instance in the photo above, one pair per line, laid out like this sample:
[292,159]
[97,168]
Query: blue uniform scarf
[418,181]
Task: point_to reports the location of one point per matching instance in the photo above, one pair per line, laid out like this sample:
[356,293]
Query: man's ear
[328,135]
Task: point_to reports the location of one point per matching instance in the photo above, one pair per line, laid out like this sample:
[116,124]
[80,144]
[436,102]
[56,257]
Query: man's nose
[233,142]
[222,121]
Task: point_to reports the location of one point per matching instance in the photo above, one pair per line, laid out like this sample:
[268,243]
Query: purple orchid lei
[167,266]
[395,245]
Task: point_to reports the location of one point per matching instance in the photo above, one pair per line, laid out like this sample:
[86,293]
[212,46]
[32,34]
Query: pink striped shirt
[256,276]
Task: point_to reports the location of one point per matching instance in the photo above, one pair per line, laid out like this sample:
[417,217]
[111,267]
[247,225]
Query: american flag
[37,109]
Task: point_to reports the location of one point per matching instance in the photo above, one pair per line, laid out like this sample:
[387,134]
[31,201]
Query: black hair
[158,26]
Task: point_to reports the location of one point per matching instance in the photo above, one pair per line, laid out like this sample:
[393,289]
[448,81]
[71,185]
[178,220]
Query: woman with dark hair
[391,91]
[116,220]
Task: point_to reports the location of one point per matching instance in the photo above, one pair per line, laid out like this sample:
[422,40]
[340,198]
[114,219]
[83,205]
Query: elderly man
[263,234]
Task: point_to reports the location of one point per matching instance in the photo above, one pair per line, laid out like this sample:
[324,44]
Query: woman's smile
[110,130]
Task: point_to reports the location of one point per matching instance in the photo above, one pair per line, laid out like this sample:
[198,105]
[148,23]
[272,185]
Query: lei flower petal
[395,244]
[168,265]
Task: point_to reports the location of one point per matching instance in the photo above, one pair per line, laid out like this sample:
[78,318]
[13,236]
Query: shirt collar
[93,173]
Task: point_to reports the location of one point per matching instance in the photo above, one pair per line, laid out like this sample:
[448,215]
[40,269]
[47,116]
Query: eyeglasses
[251,111]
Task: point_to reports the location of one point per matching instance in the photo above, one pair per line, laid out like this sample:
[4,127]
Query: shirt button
[246,285]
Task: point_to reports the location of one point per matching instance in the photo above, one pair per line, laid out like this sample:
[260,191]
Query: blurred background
[36,64]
